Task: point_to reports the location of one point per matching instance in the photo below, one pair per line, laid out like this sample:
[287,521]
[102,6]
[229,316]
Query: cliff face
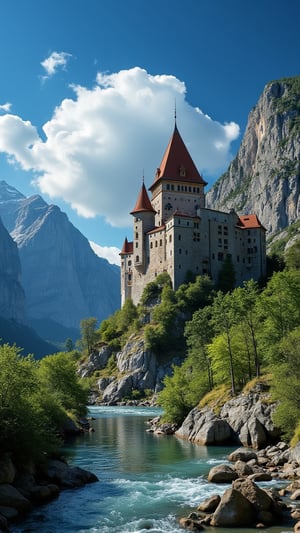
[264,177]
[64,280]
[12,300]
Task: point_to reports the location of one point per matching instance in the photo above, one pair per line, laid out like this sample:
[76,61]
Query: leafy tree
[292,256]
[223,318]
[279,310]
[244,300]
[198,333]
[57,374]
[176,398]
[26,429]
[225,364]
[226,278]
[69,345]
[195,295]
[88,333]
[152,291]
[286,384]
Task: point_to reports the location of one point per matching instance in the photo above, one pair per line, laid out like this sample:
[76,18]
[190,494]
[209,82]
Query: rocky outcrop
[64,280]
[264,177]
[244,503]
[203,426]
[138,370]
[246,419]
[20,490]
[12,301]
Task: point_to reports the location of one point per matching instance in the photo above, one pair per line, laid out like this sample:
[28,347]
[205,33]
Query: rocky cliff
[64,280]
[12,300]
[264,177]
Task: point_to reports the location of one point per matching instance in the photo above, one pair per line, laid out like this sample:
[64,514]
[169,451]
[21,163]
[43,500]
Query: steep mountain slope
[12,299]
[64,280]
[264,177]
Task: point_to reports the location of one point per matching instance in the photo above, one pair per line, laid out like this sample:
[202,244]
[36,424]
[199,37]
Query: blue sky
[88,89]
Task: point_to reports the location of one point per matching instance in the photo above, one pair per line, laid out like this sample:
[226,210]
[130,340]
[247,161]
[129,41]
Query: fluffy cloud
[5,107]
[99,144]
[55,61]
[111,253]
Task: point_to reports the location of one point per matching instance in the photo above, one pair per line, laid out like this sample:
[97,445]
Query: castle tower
[144,220]
[177,185]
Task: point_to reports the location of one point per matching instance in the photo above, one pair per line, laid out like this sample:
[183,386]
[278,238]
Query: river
[146,481]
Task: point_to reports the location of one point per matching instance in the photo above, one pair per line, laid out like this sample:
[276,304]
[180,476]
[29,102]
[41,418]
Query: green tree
[57,374]
[176,398]
[279,310]
[286,384]
[26,429]
[195,295]
[88,333]
[223,318]
[226,278]
[292,256]
[245,301]
[198,333]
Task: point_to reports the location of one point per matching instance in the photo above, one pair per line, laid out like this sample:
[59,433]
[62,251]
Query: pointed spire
[177,163]
[127,247]
[143,203]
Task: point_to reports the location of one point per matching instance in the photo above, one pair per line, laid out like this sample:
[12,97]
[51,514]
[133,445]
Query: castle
[175,233]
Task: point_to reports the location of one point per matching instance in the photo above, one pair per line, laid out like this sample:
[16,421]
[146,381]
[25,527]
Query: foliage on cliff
[237,336]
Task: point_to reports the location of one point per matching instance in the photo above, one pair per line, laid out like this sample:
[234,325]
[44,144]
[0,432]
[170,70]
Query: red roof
[177,163]
[249,221]
[143,203]
[127,248]
[155,230]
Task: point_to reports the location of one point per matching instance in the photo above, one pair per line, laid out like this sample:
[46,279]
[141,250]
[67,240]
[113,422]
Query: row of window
[183,188]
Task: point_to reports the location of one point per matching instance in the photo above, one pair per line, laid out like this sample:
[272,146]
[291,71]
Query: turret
[144,220]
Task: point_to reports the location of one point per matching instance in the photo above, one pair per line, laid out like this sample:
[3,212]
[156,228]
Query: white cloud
[99,144]
[111,253]
[54,61]
[5,107]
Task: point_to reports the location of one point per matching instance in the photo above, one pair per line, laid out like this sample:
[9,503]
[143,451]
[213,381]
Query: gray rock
[210,505]
[7,469]
[264,176]
[204,427]
[234,510]
[11,497]
[222,474]
[65,476]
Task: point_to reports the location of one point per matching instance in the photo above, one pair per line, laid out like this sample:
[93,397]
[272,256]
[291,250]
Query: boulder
[234,510]
[58,472]
[242,454]
[258,497]
[297,527]
[242,468]
[190,524]
[210,504]
[204,427]
[221,474]
[96,361]
[11,497]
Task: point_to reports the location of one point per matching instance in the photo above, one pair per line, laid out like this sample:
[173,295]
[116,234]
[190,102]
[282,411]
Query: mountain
[12,301]
[264,177]
[64,280]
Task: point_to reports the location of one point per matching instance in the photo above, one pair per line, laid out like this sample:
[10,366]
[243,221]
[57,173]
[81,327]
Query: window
[170,238]
[129,263]
[136,235]
[137,259]
[179,237]
[160,242]
[179,251]
[151,244]
[129,277]
[136,244]
[220,256]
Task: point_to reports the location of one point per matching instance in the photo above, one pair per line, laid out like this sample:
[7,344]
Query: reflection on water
[146,481]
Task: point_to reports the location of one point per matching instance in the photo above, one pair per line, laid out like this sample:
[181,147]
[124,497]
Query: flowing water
[146,481]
